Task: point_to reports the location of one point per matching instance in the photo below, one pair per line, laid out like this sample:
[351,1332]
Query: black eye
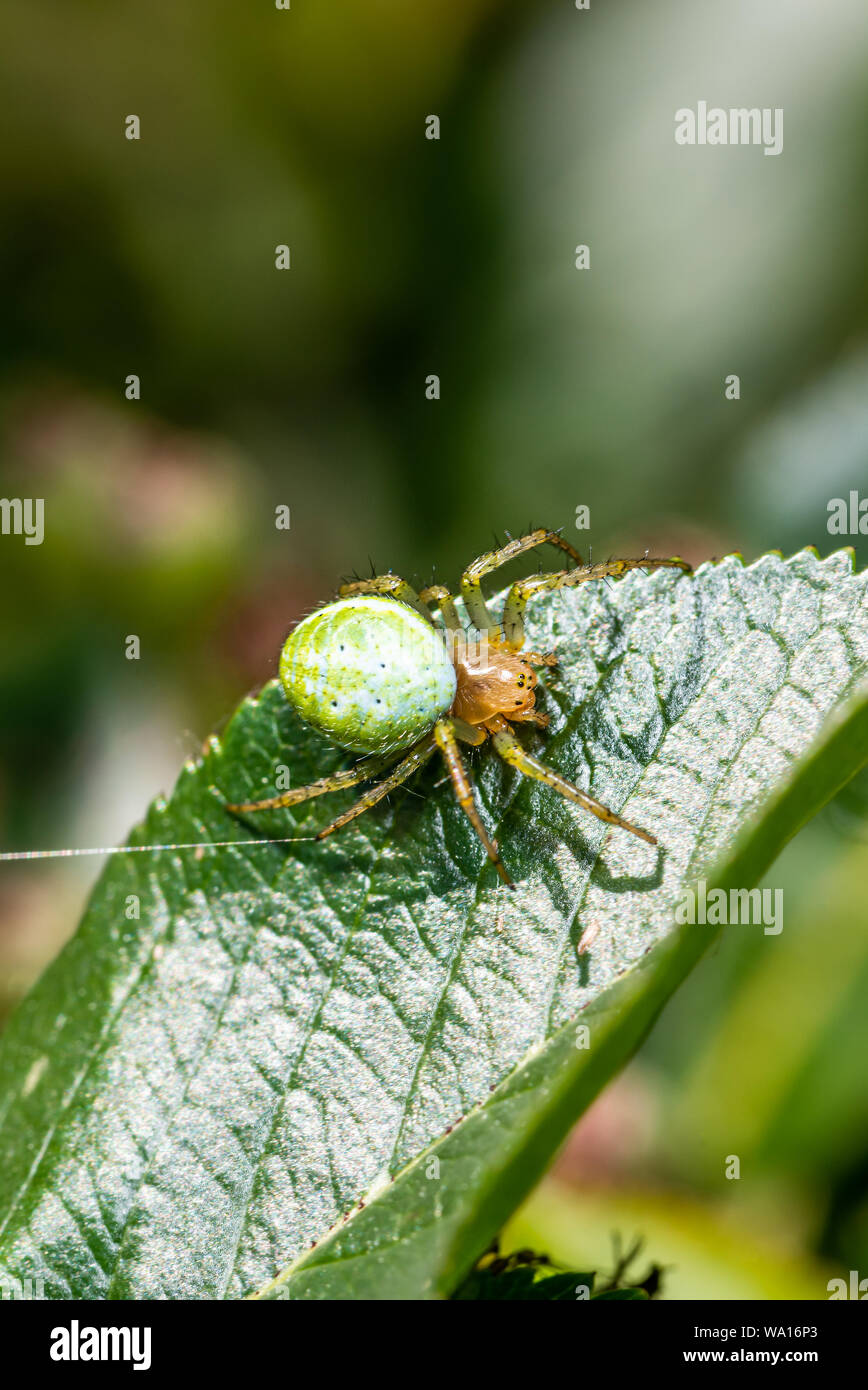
[334,703]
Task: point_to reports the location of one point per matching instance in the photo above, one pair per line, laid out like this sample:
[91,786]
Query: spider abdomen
[368,672]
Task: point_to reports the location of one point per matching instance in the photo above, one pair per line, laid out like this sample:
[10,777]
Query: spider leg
[471,587]
[390,585]
[368,767]
[508,747]
[415,759]
[445,736]
[473,734]
[533,716]
[524,589]
[440,596]
[540,658]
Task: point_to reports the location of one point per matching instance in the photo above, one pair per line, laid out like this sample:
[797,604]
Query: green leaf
[274,1052]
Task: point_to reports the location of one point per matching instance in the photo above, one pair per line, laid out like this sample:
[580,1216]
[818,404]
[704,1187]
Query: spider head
[492,682]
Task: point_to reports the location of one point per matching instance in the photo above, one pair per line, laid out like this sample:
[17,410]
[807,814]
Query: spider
[375,674]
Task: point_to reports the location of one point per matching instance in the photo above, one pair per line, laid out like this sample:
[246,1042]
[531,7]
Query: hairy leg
[540,658]
[445,736]
[471,587]
[415,759]
[350,777]
[525,589]
[508,747]
[390,586]
[533,716]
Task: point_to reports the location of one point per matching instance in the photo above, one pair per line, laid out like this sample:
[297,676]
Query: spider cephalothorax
[375,674]
[492,680]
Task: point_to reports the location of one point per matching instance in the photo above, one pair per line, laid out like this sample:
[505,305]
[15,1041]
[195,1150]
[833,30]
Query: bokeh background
[559,388]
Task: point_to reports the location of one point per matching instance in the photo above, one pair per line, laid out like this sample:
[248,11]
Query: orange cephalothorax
[493,681]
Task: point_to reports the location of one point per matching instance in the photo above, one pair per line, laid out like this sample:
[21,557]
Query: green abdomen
[369,673]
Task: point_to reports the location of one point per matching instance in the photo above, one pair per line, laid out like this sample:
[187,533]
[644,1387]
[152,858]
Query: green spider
[375,674]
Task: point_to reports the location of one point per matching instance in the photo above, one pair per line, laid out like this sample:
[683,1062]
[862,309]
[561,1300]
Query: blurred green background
[306,388]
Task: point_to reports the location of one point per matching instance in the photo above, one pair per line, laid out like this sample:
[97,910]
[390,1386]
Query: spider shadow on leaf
[541,840]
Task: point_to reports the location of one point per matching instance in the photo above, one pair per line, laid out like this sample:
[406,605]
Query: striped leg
[368,767]
[416,758]
[391,586]
[445,736]
[524,589]
[471,587]
[508,747]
